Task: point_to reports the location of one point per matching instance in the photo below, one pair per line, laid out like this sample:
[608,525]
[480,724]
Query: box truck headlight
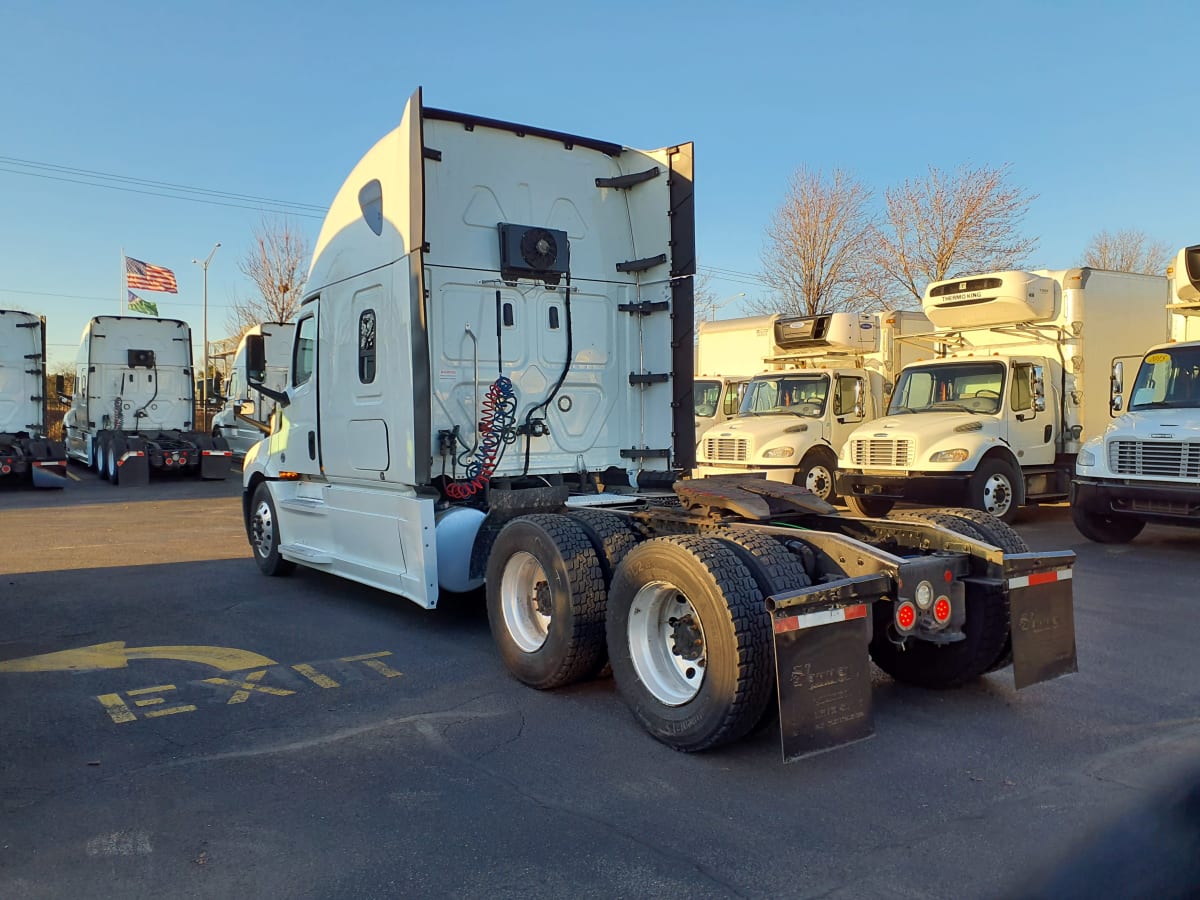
[1086,458]
[779,453]
[958,454]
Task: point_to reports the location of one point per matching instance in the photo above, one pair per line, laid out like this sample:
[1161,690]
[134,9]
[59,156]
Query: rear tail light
[906,616]
[941,610]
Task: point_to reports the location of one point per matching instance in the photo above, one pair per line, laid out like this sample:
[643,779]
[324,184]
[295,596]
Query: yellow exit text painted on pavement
[244,684]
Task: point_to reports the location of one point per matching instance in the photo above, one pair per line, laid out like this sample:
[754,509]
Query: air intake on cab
[529,251]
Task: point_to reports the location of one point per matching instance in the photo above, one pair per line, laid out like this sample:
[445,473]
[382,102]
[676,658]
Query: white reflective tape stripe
[824,617]
[1041,578]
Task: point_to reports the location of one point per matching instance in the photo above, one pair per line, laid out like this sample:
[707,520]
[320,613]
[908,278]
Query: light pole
[204,382]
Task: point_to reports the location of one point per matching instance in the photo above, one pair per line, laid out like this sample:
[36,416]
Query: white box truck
[1145,466]
[829,373]
[998,421]
[728,354]
[245,415]
[134,404]
[491,384]
[26,453]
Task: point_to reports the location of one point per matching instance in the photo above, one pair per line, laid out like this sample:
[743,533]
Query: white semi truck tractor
[245,415]
[1145,466]
[26,452]
[134,404]
[491,386]
[825,375]
[997,422]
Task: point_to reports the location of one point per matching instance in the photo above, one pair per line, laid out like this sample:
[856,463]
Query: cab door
[300,434]
[1032,435]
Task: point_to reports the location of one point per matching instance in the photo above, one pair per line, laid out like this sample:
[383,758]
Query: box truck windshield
[801,395]
[1168,379]
[962,387]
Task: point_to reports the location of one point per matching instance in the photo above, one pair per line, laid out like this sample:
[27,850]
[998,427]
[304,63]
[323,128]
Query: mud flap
[215,464]
[133,469]
[49,474]
[1042,613]
[822,665]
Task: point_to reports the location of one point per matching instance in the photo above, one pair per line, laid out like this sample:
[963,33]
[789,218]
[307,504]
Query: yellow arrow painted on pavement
[116,655]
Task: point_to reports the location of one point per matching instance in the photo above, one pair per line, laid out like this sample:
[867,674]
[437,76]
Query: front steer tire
[1105,528]
[869,507]
[721,618]
[546,601]
[263,529]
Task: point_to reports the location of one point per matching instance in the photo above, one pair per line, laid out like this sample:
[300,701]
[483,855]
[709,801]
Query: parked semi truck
[997,422]
[134,404]
[491,385]
[26,452]
[828,374]
[245,415]
[1145,467]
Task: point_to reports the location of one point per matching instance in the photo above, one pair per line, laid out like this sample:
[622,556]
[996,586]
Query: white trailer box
[25,450]
[998,421]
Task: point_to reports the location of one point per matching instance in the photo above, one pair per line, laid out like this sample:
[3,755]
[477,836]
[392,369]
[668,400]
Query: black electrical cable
[558,384]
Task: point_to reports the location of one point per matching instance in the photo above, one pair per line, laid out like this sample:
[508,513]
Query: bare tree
[276,263]
[1127,250]
[815,242]
[945,225]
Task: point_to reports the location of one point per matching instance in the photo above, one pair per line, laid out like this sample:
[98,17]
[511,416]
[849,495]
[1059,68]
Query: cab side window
[1021,397]
[303,358]
[843,402]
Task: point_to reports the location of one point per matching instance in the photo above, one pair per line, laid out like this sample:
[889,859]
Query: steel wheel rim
[819,475]
[997,494]
[519,585]
[264,529]
[672,679]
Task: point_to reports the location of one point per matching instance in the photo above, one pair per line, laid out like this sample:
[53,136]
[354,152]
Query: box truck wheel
[690,641]
[869,507]
[816,473]
[546,601]
[996,489]
[1105,528]
[264,534]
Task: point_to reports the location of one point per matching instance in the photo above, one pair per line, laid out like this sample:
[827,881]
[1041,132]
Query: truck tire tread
[574,649]
[740,669]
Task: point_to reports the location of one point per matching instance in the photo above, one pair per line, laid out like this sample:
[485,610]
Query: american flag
[149,278]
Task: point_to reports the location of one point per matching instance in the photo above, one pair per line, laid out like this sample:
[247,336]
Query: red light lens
[906,616]
[949,576]
[941,609]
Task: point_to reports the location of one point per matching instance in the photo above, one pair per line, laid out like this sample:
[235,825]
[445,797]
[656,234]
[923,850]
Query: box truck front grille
[1169,459]
[870,453]
[726,449]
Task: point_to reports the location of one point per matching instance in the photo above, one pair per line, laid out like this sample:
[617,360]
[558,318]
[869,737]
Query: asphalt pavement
[176,724]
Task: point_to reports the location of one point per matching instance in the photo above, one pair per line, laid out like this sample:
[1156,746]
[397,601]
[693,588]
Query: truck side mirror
[60,387]
[860,403]
[1116,387]
[256,359]
[1037,388]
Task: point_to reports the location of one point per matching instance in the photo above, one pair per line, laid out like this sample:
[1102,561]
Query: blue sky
[1087,102]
